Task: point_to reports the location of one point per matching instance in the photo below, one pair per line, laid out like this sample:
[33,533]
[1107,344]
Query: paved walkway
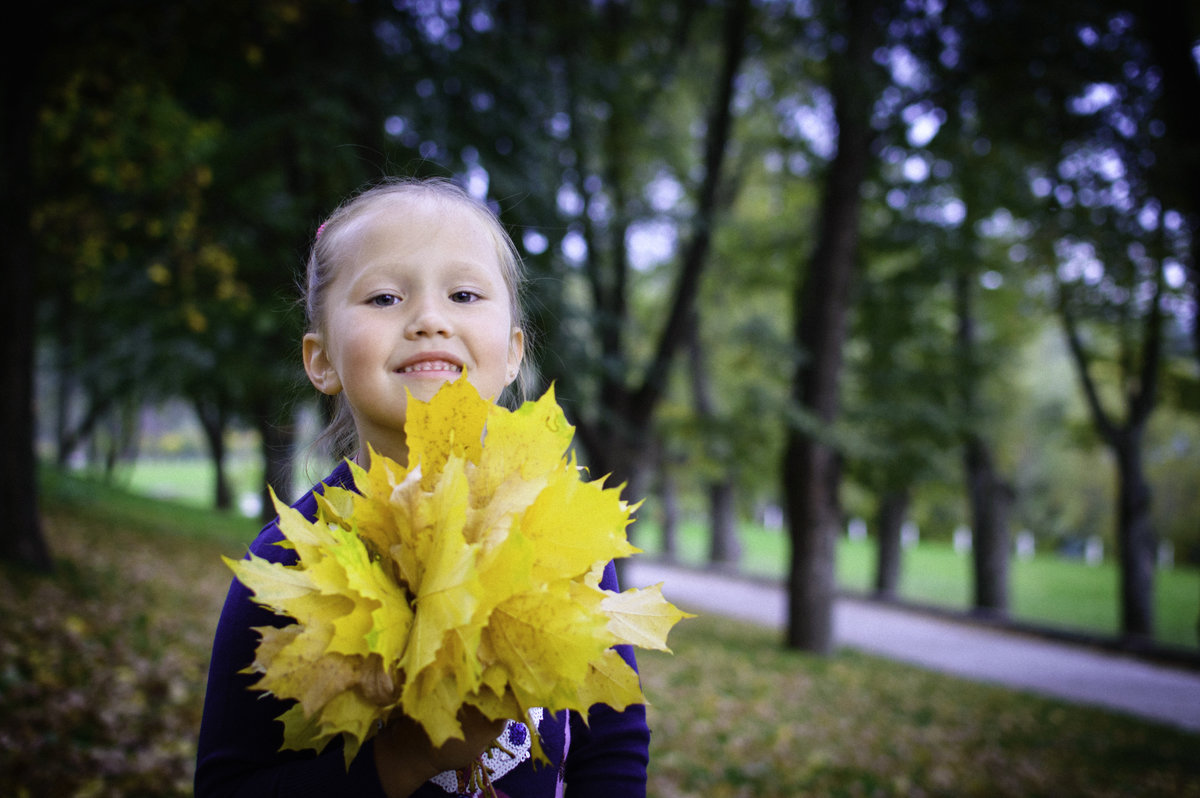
[1061,670]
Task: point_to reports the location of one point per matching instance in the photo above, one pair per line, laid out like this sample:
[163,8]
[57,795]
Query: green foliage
[184,158]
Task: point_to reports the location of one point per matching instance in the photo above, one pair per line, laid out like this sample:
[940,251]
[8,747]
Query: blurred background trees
[904,261]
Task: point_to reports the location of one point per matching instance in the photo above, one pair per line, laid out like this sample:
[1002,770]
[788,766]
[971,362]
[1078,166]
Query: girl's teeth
[439,365]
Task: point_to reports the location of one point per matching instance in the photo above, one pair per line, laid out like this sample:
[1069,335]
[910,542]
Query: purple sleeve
[609,754]
[240,737]
[238,750]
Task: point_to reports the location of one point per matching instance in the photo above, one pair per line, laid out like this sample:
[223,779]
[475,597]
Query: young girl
[408,284]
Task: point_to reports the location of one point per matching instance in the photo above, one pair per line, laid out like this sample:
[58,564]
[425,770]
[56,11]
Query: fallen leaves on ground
[103,664]
[734,715]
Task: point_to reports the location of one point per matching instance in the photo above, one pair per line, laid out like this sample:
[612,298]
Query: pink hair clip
[320,230]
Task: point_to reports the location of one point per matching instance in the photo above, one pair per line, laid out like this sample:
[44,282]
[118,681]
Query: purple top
[240,737]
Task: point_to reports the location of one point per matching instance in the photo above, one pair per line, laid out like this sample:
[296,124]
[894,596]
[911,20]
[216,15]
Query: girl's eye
[464,296]
[384,300]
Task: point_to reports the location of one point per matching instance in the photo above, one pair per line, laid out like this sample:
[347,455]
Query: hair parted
[340,436]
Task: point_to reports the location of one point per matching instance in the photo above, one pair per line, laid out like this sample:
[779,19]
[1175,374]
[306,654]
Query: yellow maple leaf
[468,577]
[642,617]
[611,682]
[454,426]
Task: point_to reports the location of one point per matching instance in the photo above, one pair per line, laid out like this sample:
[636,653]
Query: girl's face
[419,296]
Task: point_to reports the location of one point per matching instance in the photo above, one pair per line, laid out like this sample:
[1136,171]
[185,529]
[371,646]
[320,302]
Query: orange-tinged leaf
[431,699]
[300,668]
[353,716]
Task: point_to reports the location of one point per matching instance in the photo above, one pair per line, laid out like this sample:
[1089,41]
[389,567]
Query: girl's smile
[432,363]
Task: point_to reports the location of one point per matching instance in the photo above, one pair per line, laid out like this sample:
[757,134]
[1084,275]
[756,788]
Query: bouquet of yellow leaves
[468,578]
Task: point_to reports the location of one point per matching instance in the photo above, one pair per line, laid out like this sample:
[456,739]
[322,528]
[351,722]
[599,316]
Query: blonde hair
[323,259]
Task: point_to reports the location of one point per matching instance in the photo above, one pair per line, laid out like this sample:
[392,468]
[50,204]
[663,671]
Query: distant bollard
[962,539]
[857,529]
[910,535]
[250,504]
[1025,544]
[1166,555]
[1093,551]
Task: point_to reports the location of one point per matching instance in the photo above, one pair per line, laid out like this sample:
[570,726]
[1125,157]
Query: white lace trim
[498,760]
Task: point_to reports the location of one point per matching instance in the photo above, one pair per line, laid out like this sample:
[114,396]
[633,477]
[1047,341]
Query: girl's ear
[317,365]
[516,353]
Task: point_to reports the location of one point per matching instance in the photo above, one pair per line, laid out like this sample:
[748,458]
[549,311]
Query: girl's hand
[405,759]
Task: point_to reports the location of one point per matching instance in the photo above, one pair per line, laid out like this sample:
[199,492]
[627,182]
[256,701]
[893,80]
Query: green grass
[1045,589]
[182,480]
[135,511]
[192,481]
[102,670]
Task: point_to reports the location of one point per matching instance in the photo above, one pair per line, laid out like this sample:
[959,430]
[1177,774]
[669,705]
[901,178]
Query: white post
[1025,544]
[962,539]
[857,529]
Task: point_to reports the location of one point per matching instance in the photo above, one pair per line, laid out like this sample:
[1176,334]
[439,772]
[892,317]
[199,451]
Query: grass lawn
[1045,589]
[102,670]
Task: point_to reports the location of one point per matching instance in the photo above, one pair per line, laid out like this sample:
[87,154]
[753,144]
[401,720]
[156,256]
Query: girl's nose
[427,319]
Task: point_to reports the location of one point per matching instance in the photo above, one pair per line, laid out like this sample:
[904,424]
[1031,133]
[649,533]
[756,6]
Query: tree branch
[1083,365]
[1143,400]
[716,144]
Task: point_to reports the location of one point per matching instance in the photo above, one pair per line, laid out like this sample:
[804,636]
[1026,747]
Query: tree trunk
[988,496]
[1137,541]
[64,377]
[124,436]
[1135,532]
[820,307]
[725,550]
[277,433]
[214,420]
[1171,31]
[21,540]
[990,499]
[893,509]
[669,502]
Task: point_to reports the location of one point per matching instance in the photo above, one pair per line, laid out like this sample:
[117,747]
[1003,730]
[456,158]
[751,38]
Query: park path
[1061,670]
